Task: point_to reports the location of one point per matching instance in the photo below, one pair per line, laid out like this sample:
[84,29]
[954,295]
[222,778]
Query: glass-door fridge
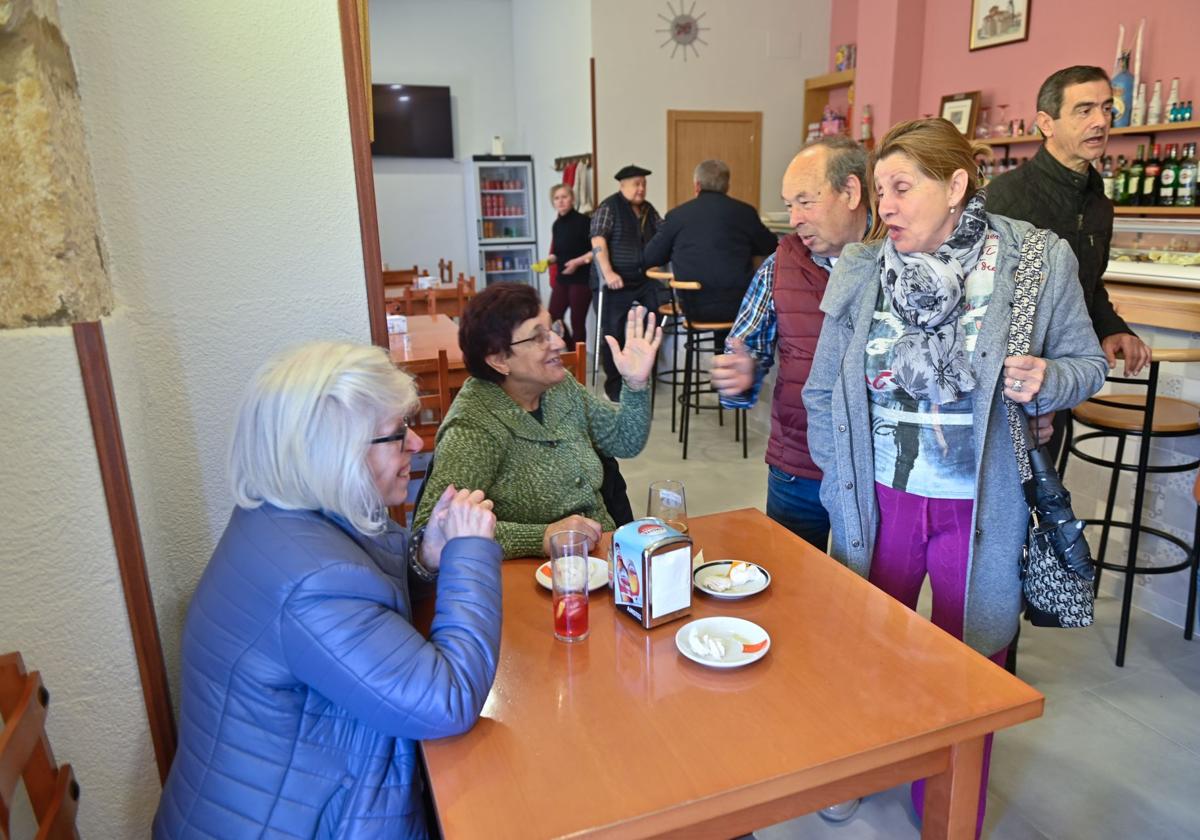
[504,231]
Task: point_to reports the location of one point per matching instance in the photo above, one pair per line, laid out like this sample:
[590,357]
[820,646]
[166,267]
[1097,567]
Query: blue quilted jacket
[306,689]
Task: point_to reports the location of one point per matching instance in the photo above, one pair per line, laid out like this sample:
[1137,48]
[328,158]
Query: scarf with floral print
[927,292]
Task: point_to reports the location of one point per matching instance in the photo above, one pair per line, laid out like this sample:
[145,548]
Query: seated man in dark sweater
[712,240]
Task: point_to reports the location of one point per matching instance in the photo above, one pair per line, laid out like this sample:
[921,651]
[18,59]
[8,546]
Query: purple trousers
[919,537]
[574,296]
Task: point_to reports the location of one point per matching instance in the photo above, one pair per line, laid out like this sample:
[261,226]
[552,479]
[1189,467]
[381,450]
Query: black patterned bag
[1057,568]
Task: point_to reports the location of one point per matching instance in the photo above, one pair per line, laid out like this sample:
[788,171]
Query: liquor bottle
[1150,177]
[1168,178]
[1021,128]
[1133,181]
[1187,112]
[1173,113]
[1106,174]
[1154,111]
[1119,176]
[1185,189]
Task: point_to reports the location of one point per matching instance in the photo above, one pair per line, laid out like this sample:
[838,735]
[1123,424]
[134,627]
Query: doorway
[732,136]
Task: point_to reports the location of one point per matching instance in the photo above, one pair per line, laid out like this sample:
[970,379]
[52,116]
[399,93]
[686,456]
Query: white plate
[736,633]
[720,568]
[597,574]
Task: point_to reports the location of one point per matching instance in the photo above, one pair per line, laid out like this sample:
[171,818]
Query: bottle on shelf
[1021,128]
[1119,195]
[1122,92]
[1150,177]
[1187,112]
[1139,105]
[1154,109]
[1168,178]
[1133,181]
[1106,174]
[1185,187]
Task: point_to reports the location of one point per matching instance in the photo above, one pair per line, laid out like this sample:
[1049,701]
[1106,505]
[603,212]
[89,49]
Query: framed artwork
[997,23]
[961,109]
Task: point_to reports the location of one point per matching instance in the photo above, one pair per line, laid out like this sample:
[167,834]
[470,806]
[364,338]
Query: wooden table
[428,334]
[449,300]
[621,736]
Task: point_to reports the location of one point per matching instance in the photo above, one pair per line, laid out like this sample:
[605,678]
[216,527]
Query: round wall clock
[683,29]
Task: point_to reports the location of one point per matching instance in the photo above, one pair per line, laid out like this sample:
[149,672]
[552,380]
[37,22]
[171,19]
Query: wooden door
[732,136]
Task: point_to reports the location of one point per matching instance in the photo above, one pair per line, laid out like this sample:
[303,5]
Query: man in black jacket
[1059,189]
[711,239]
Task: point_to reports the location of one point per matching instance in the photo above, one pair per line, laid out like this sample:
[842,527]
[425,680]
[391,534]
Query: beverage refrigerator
[502,236]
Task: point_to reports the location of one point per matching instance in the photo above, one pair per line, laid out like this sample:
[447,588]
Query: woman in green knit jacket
[522,429]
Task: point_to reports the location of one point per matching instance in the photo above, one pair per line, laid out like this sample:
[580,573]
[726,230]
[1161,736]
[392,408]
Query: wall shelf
[1157,128]
[1157,211]
[1011,141]
[816,96]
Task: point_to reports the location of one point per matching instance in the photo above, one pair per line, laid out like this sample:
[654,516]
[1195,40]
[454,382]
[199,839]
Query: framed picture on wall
[996,22]
[962,109]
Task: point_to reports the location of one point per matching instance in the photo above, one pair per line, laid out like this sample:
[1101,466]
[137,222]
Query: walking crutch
[598,338]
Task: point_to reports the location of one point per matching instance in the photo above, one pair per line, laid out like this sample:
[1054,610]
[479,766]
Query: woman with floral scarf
[905,409]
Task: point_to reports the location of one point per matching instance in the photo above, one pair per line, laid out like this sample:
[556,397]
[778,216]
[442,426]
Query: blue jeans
[795,503]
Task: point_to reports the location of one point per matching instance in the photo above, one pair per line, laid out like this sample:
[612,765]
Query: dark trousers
[576,297]
[617,303]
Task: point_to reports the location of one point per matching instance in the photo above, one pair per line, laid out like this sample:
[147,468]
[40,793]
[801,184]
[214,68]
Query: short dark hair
[843,159]
[1050,94]
[487,325]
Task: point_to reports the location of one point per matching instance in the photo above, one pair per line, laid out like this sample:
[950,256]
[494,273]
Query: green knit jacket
[534,473]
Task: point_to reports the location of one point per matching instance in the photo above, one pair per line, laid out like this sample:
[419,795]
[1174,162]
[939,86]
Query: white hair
[304,426]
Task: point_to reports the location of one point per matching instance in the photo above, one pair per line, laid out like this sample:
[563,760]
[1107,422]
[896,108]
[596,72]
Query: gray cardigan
[839,430]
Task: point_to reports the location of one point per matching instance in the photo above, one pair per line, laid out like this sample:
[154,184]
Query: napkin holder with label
[651,564]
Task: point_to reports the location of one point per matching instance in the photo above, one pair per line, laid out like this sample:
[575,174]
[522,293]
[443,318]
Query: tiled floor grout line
[1141,722]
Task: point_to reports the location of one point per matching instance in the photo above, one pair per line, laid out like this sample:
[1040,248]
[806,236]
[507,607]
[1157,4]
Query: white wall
[221,155]
[551,57]
[467,45]
[758,54]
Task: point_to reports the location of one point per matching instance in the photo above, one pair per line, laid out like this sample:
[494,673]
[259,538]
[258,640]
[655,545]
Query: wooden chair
[25,754]
[400,276]
[575,361]
[433,392]
[445,272]
[469,281]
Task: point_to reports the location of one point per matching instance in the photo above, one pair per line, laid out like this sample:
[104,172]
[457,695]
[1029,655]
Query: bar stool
[671,321]
[694,387]
[1147,416]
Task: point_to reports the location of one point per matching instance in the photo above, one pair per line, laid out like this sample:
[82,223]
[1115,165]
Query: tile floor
[1117,754]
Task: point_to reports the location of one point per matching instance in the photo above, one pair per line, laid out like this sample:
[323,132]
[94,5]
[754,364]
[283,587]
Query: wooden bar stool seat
[670,319]
[1171,415]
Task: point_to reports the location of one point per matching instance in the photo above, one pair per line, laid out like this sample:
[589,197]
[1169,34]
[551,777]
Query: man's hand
[733,373]
[636,360]
[458,513]
[1043,428]
[614,280]
[588,527]
[1130,347]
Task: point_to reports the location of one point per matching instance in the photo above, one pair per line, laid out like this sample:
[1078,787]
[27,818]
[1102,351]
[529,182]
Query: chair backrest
[469,281]
[400,276]
[445,271]
[433,392]
[575,361]
[25,754]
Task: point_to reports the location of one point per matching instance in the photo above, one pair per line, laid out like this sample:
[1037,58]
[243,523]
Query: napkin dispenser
[651,565]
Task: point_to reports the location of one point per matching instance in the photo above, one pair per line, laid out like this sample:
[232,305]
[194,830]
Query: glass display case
[1155,252]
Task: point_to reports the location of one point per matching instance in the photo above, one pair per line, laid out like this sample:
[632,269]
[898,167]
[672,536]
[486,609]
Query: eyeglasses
[400,433]
[542,336]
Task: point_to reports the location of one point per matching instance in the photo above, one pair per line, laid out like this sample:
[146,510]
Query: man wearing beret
[621,226]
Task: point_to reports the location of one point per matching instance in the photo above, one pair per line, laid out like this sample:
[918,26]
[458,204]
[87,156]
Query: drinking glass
[668,503]
[569,579]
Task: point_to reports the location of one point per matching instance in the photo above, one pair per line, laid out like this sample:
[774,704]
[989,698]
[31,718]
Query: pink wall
[843,25]
[904,74]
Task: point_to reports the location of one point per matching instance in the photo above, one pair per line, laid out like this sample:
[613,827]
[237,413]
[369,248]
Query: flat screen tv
[412,121]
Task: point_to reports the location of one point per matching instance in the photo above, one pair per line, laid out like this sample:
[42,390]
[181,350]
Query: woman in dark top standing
[571,249]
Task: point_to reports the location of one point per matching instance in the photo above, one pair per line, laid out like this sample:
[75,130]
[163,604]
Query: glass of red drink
[569,575]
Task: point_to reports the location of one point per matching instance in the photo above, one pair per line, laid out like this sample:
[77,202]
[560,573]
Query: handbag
[1057,570]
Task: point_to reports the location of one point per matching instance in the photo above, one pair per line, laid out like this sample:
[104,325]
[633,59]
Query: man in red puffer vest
[824,190]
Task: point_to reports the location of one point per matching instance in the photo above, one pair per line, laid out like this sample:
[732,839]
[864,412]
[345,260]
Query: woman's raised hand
[642,340]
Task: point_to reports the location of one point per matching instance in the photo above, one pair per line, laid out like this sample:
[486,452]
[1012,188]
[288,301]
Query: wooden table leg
[952,796]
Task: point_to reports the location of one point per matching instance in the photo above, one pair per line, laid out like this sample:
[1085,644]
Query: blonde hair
[937,148]
[558,187]
[304,425]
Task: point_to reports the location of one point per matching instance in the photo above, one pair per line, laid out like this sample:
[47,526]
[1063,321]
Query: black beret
[630,171]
